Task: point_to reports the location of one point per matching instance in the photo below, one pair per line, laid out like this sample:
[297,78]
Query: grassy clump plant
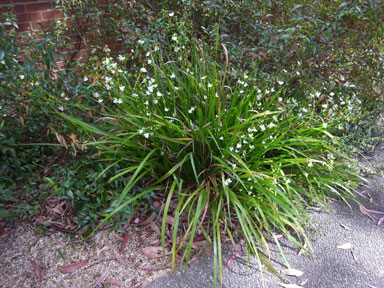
[230,154]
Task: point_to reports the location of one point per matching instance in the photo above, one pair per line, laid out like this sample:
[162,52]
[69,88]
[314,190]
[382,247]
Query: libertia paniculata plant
[230,155]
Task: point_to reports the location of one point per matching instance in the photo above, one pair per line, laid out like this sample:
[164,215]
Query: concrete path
[331,267]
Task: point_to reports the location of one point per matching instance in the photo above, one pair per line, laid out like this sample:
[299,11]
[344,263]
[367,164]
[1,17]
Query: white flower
[238,145]
[250,135]
[172,76]
[270,125]
[141,42]
[157,49]
[117,101]
[227,182]
[259,96]
[241,91]
[146,135]
[85,78]
[149,61]
[217,95]
[171,14]
[134,95]
[141,131]
[221,138]
[143,70]
[191,110]
[318,94]
[22,77]
[231,149]
[209,85]
[280,82]
[122,88]
[310,164]
[262,127]
[325,125]
[166,109]
[107,79]
[332,94]
[202,78]
[306,174]
[288,181]
[108,87]
[60,108]
[100,100]
[146,103]
[159,94]
[121,57]
[174,38]
[205,97]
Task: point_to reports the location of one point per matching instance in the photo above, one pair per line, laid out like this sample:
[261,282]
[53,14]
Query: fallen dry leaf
[3,231]
[114,282]
[155,268]
[101,278]
[290,285]
[236,255]
[104,248]
[293,272]
[365,212]
[345,246]
[345,227]
[153,251]
[124,242]
[381,220]
[119,258]
[37,269]
[73,267]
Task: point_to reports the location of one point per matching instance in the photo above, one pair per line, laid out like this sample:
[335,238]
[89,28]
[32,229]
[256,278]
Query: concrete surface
[358,267]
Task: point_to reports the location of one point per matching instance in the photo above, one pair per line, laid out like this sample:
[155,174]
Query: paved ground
[331,267]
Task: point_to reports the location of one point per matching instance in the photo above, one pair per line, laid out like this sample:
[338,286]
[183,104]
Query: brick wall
[30,13]
[33,15]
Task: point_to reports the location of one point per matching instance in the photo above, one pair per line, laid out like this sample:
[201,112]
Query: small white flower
[107,79]
[280,82]
[317,94]
[172,76]
[121,58]
[143,70]
[22,77]
[134,95]
[209,85]
[241,91]
[141,42]
[100,100]
[155,101]
[146,103]
[166,109]
[85,78]
[262,127]
[141,131]
[310,164]
[146,135]
[251,147]
[205,97]
[270,125]
[238,145]
[227,182]
[217,95]
[288,181]
[332,94]
[221,138]
[306,174]
[174,38]
[60,108]
[202,78]
[108,87]
[122,88]
[157,49]
[159,94]
[177,88]
[171,14]
[117,101]
[231,149]
[325,125]
[191,110]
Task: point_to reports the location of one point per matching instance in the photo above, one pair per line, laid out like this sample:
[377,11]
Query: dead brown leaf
[37,269]
[73,267]
[101,278]
[124,242]
[119,258]
[365,212]
[345,246]
[293,272]
[154,251]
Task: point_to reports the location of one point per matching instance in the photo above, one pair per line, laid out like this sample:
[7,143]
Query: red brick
[40,6]
[29,17]
[47,15]
[5,2]
[19,8]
